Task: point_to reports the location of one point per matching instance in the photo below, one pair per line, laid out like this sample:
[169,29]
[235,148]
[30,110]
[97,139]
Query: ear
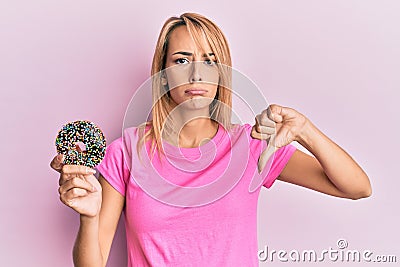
[164,80]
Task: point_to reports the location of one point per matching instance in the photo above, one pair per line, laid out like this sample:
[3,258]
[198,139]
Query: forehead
[180,40]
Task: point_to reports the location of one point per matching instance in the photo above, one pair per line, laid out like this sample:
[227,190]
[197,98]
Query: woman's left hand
[285,123]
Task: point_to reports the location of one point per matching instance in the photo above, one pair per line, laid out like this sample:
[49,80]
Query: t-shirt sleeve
[113,167]
[280,159]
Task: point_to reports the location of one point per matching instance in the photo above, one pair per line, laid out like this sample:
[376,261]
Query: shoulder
[247,127]
[128,137]
[240,129]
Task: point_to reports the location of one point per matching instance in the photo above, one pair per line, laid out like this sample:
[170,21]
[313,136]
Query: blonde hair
[198,27]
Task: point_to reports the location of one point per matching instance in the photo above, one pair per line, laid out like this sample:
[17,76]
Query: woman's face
[191,73]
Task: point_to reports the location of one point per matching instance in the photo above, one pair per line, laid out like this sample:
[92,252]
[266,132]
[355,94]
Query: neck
[197,132]
[193,128]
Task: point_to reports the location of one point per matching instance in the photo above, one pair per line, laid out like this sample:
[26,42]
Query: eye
[210,62]
[182,61]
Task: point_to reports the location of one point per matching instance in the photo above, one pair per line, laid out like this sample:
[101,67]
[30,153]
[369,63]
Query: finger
[77,169]
[74,193]
[57,162]
[260,128]
[70,202]
[279,113]
[265,119]
[265,130]
[257,135]
[274,112]
[254,133]
[86,177]
[257,119]
[64,177]
[93,181]
[76,183]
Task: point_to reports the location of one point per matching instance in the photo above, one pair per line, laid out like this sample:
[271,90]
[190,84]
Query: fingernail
[94,189]
[89,170]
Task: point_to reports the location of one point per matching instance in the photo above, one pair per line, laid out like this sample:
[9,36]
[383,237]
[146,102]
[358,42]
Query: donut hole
[81,147]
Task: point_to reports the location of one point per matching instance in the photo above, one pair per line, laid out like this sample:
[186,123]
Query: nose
[195,75]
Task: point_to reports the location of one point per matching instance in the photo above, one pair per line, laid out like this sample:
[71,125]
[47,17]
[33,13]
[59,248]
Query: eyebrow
[191,54]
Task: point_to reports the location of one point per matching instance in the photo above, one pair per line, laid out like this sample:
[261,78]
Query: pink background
[337,62]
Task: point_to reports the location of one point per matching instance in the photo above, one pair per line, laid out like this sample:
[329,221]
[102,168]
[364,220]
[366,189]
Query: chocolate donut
[73,136]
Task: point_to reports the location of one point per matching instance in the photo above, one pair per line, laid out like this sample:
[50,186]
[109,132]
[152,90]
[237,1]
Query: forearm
[87,250]
[338,166]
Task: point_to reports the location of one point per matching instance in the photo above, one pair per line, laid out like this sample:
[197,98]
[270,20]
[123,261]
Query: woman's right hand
[79,189]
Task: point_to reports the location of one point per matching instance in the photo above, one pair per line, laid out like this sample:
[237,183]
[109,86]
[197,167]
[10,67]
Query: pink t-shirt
[198,207]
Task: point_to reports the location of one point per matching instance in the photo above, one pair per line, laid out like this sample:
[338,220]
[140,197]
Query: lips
[195,91]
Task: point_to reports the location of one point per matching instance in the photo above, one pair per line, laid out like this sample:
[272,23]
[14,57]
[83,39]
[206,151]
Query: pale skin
[100,205]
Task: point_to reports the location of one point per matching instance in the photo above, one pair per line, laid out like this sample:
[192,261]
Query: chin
[196,103]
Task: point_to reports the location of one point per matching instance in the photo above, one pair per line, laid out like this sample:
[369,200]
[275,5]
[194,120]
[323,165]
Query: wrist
[307,134]
[85,219]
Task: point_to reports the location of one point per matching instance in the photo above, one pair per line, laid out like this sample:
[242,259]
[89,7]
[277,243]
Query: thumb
[95,183]
[282,137]
[278,141]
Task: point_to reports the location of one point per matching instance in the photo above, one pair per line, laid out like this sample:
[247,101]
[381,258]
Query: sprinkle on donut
[81,143]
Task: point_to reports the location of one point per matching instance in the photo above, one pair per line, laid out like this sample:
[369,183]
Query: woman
[192,111]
